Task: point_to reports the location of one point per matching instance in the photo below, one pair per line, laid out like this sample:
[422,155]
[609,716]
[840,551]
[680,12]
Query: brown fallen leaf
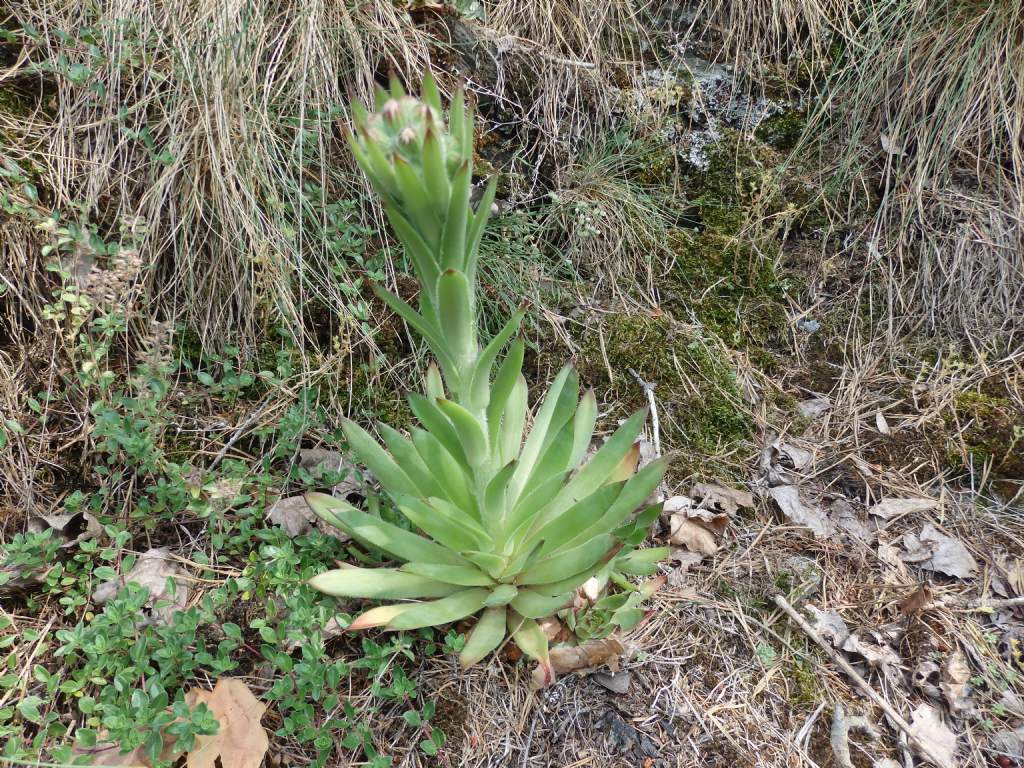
[955,685]
[153,570]
[721,498]
[574,658]
[918,600]
[240,741]
[696,529]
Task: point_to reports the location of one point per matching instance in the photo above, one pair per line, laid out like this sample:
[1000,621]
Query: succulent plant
[507,515]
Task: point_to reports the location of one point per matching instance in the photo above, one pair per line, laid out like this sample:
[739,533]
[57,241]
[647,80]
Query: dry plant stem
[894,717]
[648,388]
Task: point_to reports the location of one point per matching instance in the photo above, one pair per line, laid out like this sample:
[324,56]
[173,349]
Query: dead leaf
[889,147]
[696,529]
[71,528]
[928,730]
[616,682]
[882,424]
[787,497]
[721,498]
[814,407]
[829,625]
[955,685]
[878,655]
[240,742]
[845,518]
[1015,575]
[782,462]
[318,461]
[918,600]
[153,570]
[573,658]
[934,551]
[887,509]
[293,514]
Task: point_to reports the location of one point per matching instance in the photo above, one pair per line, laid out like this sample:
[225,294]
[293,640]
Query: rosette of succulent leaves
[506,516]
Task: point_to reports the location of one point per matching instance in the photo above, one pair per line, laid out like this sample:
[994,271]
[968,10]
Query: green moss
[697,393]
[782,131]
[991,428]
[805,689]
[733,290]
[739,183]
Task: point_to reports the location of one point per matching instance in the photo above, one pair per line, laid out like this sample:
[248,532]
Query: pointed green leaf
[377,460]
[443,611]
[434,420]
[434,384]
[634,493]
[470,432]
[416,202]
[429,333]
[495,502]
[508,374]
[374,532]
[423,259]
[480,384]
[579,517]
[449,474]
[380,584]
[583,424]
[435,171]
[455,309]
[485,637]
[406,456]
[534,605]
[453,240]
[429,92]
[642,562]
[503,594]
[476,228]
[462,575]
[601,466]
[524,511]
[574,560]
[440,527]
[510,433]
[529,637]
[539,431]
[397,91]
[491,563]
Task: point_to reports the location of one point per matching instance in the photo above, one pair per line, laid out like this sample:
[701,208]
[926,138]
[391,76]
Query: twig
[648,388]
[529,741]
[239,431]
[840,736]
[894,717]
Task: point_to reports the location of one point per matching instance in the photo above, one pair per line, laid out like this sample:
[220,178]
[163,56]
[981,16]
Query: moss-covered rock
[700,405]
[783,130]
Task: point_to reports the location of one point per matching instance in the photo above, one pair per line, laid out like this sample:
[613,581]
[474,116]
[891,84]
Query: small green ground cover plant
[500,519]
